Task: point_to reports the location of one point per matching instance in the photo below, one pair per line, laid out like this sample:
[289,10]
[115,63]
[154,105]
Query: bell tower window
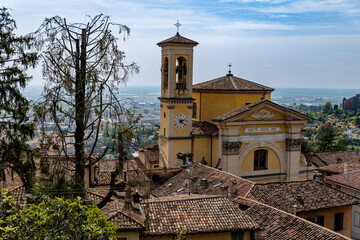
[165,73]
[181,71]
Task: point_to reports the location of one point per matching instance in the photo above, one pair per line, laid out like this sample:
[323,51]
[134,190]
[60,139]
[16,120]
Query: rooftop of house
[349,179]
[280,225]
[300,196]
[204,128]
[177,39]
[230,83]
[196,214]
[327,158]
[204,180]
[340,168]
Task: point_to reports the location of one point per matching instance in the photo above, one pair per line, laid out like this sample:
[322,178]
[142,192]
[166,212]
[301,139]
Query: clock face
[180,121]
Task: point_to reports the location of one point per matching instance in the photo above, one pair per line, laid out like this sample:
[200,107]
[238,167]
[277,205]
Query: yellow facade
[329,218]
[128,235]
[212,105]
[273,162]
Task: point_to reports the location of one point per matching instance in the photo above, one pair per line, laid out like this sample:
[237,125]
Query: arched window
[260,159]
[181,71]
[165,72]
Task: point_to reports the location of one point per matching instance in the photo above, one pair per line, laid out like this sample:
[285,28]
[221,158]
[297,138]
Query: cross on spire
[229,69]
[177,25]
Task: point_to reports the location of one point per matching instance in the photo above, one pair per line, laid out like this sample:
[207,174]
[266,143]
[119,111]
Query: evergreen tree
[329,139]
[15,58]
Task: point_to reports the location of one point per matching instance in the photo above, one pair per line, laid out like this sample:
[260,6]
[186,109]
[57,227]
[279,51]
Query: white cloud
[248,25]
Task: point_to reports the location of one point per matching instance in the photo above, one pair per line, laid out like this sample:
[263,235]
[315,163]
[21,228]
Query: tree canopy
[82,67]
[53,219]
[16,57]
[329,139]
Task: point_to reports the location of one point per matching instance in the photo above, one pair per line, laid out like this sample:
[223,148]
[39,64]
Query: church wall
[163,148]
[202,148]
[204,236]
[128,235]
[179,146]
[273,161]
[262,180]
[212,105]
[215,151]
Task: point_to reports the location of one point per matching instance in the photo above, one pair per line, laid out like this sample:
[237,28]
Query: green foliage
[181,235]
[329,139]
[328,107]
[53,219]
[15,58]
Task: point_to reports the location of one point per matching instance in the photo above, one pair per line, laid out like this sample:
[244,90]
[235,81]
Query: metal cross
[177,25]
[229,67]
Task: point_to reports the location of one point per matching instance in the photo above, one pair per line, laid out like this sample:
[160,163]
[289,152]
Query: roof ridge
[292,215]
[238,177]
[203,196]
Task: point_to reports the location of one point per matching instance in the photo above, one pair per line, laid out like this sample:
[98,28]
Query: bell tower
[176,97]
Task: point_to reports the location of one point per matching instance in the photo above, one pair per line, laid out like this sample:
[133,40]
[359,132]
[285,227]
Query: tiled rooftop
[350,179]
[327,158]
[340,168]
[230,83]
[206,180]
[305,195]
[177,39]
[280,225]
[197,215]
[204,128]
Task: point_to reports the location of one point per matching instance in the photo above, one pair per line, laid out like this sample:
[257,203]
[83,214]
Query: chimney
[233,187]
[128,201]
[318,177]
[224,190]
[203,183]
[339,160]
[136,200]
[193,188]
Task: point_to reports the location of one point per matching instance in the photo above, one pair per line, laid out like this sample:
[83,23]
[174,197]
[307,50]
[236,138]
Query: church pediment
[263,110]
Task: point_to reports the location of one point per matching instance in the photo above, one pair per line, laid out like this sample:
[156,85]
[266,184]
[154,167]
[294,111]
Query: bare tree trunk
[80,112]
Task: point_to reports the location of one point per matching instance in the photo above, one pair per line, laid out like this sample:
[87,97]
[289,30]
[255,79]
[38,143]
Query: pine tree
[15,58]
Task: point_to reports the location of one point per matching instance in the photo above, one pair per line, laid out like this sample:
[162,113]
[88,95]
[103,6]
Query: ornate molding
[262,130]
[263,114]
[231,148]
[293,144]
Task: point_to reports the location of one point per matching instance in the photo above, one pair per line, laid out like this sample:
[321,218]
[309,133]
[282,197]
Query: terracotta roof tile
[280,225]
[196,215]
[340,168]
[126,221]
[350,179]
[204,128]
[206,180]
[177,39]
[306,195]
[327,158]
[230,83]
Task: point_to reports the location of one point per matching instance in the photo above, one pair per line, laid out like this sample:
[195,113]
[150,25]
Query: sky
[277,43]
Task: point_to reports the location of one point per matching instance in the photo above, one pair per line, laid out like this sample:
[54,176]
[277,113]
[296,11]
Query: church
[229,123]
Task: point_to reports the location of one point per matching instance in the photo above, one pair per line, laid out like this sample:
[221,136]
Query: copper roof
[230,83]
[280,225]
[177,39]
[250,106]
[305,195]
[204,128]
[196,214]
[217,182]
[350,179]
[327,158]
